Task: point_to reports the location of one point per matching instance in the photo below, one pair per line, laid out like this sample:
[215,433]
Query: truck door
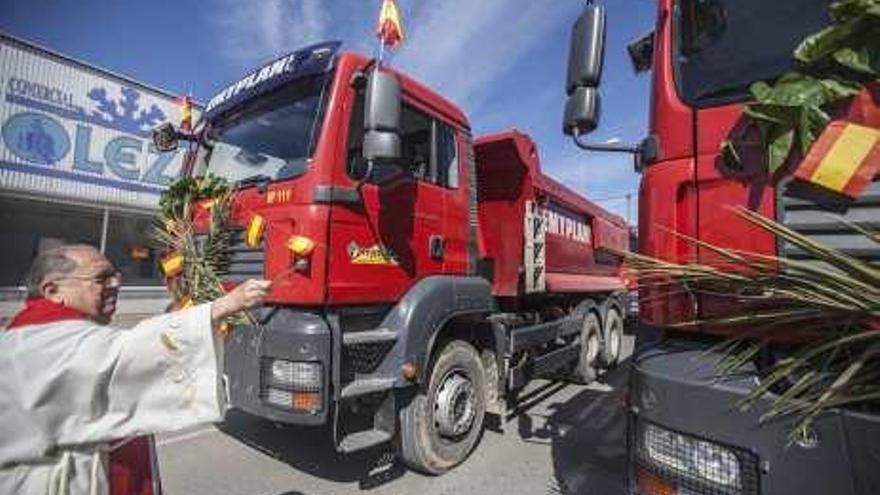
[721,57]
[398,235]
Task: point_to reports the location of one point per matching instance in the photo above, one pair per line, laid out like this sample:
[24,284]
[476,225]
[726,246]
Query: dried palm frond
[204,254]
[832,302]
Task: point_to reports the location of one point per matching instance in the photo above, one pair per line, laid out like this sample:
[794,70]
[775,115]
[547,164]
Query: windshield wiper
[260,180]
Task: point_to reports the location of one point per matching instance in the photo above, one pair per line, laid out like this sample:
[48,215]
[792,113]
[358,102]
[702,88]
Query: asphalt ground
[561,439]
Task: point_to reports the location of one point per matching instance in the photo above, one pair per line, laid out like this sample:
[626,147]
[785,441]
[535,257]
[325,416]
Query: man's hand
[245,296]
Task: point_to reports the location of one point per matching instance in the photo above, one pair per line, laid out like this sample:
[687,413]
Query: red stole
[131,470]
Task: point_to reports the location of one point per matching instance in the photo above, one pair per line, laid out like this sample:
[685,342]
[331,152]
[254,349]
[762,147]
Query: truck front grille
[819,219]
[364,358]
[243,262]
[691,472]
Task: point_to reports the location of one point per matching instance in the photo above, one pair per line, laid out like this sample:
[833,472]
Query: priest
[73,388]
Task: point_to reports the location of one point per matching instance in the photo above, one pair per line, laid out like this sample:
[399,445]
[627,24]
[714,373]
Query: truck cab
[301,167]
[686,434]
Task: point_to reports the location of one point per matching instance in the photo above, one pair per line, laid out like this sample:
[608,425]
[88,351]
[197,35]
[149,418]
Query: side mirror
[165,137]
[587,49]
[582,111]
[382,118]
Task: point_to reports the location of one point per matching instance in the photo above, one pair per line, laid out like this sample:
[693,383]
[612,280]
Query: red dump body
[577,233]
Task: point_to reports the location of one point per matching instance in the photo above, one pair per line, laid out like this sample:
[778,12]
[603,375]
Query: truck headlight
[298,375]
[294,385]
[689,458]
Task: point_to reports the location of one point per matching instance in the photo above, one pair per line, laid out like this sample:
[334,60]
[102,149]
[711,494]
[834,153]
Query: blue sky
[502,61]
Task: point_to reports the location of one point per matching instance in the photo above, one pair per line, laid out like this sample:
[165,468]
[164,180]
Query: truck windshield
[725,45]
[272,137]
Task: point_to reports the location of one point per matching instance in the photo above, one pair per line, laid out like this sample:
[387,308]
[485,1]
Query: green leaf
[811,124]
[730,155]
[820,45]
[779,148]
[850,9]
[864,59]
[760,90]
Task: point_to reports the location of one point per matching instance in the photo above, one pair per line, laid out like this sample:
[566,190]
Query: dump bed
[565,247]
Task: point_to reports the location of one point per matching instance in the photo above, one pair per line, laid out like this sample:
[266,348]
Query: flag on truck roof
[844,159]
[389,30]
[185,113]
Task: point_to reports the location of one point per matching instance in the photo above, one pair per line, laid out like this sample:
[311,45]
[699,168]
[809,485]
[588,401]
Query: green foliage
[831,66]
[180,195]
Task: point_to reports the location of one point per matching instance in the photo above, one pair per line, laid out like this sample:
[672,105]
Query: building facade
[77,166]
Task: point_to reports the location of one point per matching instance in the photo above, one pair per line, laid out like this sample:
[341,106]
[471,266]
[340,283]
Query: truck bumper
[297,345]
[677,405]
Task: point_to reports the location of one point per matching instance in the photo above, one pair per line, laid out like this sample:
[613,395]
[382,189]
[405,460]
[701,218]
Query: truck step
[367,386]
[369,337]
[362,440]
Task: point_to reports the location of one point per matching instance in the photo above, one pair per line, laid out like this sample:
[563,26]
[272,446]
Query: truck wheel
[591,347]
[440,426]
[612,334]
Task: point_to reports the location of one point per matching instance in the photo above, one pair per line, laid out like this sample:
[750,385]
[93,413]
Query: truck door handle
[435,247]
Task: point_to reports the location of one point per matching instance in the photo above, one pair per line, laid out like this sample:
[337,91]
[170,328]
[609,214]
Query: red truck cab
[686,434]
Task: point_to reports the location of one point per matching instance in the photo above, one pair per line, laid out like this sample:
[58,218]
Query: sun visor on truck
[312,60]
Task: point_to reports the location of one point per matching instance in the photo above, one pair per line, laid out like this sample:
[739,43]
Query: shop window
[130,247]
[29,226]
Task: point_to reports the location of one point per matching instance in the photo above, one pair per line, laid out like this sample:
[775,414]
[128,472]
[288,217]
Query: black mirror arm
[608,148]
[359,187]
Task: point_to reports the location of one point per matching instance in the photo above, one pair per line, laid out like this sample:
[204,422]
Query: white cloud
[463,47]
[459,47]
[252,32]
[605,178]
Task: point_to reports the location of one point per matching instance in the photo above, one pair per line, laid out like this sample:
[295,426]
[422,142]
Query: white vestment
[68,389]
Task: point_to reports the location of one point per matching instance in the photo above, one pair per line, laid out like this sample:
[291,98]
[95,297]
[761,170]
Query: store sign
[72,126]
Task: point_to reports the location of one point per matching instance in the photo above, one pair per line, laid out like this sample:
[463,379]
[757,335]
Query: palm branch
[205,258]
[833,300]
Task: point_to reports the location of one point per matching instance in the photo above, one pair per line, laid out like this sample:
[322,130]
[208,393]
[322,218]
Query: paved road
[564,439]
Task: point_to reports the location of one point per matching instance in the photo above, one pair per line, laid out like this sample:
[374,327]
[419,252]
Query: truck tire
[591,348]
[612,335]
[441,426]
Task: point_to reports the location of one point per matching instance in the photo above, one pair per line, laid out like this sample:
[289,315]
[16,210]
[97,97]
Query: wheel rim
[455,404]
[614,338]
[592,348]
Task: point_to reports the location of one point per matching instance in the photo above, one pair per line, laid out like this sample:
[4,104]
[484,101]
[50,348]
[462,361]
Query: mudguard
[423,312]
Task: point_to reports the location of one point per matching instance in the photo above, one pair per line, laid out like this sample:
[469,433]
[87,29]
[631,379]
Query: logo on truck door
[564,225]
[376,254]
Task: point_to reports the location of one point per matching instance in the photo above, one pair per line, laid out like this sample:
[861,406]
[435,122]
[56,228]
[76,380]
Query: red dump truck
[421,278]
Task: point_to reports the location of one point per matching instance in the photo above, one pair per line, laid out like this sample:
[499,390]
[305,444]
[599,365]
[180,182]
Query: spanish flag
[389,30]
[185,113]
[172,264]
[843,160]
[254,234]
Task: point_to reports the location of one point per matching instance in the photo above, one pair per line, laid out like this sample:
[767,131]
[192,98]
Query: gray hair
[51,263]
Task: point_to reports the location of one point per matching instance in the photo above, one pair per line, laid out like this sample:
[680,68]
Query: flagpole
[381,41]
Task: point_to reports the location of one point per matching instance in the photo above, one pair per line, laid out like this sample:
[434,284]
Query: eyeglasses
[104,278]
